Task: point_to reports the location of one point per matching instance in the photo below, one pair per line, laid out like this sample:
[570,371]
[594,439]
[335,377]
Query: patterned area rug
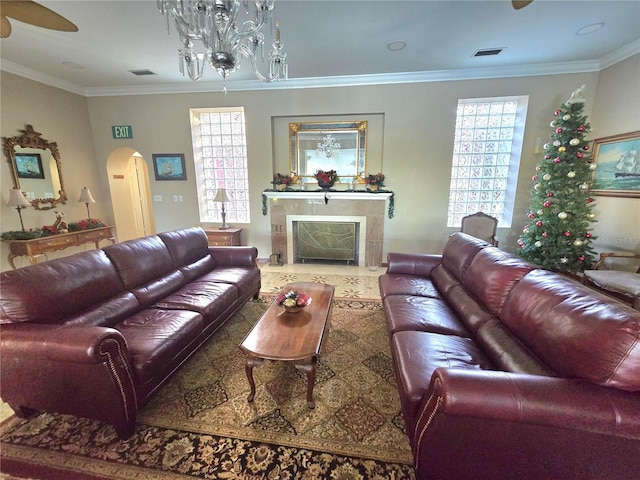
[201,425]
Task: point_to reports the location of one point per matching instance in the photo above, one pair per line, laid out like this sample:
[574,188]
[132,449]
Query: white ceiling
[330,43]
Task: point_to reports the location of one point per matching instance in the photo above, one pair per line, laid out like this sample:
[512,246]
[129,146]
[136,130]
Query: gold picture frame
[618,165]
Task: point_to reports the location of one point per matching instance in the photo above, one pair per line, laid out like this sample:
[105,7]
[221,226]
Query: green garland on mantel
[390,210]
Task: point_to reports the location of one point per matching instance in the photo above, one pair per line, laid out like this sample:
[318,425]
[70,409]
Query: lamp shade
[85,196]
[17,199]
[221,196]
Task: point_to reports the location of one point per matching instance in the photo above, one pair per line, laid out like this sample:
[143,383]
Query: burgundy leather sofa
[507,371]
[97,333]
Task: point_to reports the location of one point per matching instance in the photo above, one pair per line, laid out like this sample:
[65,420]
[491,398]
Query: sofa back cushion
[141,260]
[459,252]
[186,246]
[574,330]
[53,291]
[491,276]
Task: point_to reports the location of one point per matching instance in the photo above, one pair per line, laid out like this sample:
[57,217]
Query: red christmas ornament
[547,157]
[556,160]
[534,178]
[549,194]
[581,258]
[546,204]
[538,223]
[579,154]
[557,112]
[567,233]
[531,215]
[544,234]
[580,128]
[586,147]
[559,130]
[589,200]
[588,235]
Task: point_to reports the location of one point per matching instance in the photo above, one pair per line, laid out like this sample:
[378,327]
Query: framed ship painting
[169,166]
[618,165]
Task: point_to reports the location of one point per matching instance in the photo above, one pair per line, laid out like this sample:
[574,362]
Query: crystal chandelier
[225,37]
[329,146]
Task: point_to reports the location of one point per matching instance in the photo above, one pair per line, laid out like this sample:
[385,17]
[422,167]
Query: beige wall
[617,110]
[416,144]
[60,117]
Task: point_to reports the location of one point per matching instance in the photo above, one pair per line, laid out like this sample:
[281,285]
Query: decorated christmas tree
[558,235]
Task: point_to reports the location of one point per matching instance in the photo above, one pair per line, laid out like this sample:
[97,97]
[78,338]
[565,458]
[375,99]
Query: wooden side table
[223,238]
[36,247]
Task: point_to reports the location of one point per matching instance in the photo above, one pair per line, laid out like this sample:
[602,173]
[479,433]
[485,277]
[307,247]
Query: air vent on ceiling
[487,52]
[141,73]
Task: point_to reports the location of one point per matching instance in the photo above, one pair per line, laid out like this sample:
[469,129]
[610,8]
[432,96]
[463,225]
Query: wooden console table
[39,246]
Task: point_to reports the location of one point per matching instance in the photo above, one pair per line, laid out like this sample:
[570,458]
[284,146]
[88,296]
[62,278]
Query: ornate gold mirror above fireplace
[35,167]
[339,146]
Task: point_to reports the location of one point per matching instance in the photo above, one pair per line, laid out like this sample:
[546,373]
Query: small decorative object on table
[60,226]
[374,182]
[292,301]
[326,179]
[281,181]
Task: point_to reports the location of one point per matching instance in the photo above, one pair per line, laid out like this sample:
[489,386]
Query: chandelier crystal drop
[329,146]
[228,30]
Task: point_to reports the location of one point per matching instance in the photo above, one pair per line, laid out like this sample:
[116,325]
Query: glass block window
[220,155]
[486,157]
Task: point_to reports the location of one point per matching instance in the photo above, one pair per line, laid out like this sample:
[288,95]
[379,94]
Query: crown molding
[339,81]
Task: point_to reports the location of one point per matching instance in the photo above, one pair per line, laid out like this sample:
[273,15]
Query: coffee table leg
[248,368]
[310,370]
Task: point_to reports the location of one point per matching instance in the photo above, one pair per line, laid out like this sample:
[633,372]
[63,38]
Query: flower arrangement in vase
[326,179]
[282,181]
[374,182]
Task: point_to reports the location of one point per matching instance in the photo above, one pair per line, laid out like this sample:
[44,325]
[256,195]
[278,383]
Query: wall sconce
[86,198]
[221,196]
[16,199]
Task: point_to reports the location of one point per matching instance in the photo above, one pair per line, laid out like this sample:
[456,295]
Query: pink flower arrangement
[280,179]
[377,179]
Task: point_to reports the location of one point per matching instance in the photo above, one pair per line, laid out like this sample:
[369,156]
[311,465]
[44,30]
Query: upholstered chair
[481,225]
[616,278]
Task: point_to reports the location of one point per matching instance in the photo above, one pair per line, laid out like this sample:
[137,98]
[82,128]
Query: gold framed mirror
[35,167]
[339,146]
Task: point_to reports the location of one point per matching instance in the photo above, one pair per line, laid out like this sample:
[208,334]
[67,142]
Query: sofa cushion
[403,284]
[576,331]
[156,337]
[210,299]
[407,312]
[506,352]
[186,246]
[198,268]
[50,292]
[469,310]
[443,280]
[417,354]
[459,252]
[107,313]
[141,260]
[491,276]
[245,279]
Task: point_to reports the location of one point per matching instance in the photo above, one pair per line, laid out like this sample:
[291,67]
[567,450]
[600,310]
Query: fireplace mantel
[326,197]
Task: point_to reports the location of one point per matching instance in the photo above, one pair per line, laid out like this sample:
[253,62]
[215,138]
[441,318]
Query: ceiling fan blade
[518,4]
[5,27]
[33,13]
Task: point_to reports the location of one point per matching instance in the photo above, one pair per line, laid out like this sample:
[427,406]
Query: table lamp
[16,199]
[221,196]
[86,198]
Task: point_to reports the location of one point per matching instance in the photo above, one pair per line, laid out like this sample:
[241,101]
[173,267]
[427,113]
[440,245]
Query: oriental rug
[200,424]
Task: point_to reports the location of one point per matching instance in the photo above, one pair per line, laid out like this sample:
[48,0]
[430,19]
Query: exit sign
[122,131]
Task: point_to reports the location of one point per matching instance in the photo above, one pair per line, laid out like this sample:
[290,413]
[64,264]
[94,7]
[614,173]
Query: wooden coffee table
[291,337]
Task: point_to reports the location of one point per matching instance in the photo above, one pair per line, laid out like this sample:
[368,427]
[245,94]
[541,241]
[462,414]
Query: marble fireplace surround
[369,209]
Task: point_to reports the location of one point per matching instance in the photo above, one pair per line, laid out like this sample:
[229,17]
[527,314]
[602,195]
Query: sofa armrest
[236,256]
[505,421]
[412,263]
[84,371]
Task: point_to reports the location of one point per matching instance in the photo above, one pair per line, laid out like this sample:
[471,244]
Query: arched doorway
[130,194]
